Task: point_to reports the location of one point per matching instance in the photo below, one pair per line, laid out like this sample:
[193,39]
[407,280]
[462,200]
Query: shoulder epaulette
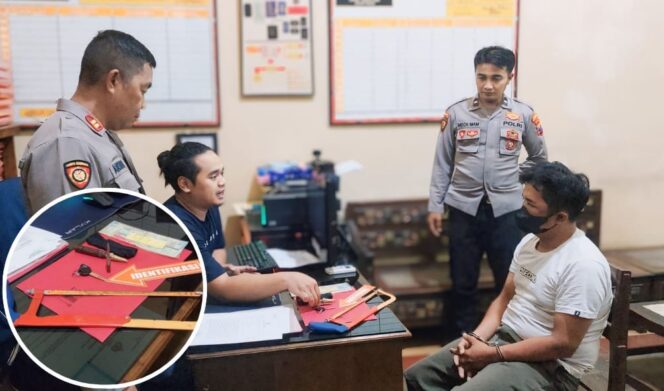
[524,103]
[456,103]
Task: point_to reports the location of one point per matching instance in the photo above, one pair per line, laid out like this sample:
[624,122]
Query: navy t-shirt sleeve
[213,269]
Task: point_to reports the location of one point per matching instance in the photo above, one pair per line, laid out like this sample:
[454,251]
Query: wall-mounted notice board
[276,47]
[44,43]
[407,60]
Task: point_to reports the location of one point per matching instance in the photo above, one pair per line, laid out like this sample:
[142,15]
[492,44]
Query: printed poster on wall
[276,47]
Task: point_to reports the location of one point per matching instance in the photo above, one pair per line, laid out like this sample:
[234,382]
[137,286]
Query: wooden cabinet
[8,168]
[403,257]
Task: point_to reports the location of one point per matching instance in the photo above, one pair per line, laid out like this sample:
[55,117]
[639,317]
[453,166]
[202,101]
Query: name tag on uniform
[118,166]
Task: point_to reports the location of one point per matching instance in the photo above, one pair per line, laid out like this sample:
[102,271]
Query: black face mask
[529,223]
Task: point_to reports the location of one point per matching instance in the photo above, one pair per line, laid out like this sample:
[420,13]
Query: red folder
[60,275]
[310,314]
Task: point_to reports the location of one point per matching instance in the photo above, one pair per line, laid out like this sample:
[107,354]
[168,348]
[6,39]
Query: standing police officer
[476,177]
[76,147]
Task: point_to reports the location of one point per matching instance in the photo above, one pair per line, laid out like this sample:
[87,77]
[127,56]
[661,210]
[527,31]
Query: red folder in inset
[60,275]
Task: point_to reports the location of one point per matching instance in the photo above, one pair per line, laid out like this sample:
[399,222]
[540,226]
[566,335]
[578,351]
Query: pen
[108,257]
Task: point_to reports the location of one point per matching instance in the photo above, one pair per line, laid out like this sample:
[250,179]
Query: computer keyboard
[253,254]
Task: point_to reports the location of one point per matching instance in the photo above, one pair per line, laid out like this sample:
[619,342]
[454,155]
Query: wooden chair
[617,328]
[616,332]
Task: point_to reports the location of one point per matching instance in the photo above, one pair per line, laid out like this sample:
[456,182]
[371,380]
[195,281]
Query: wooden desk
[647,267]
[367,359]
[646,318]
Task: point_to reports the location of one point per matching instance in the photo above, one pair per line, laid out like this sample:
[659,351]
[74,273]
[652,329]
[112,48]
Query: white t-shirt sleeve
[582,290]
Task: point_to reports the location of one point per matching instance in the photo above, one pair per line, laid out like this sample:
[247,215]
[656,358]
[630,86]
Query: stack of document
[146,240]
[263,324]
[35,246]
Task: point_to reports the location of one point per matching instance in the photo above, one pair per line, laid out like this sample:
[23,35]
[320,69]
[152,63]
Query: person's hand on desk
[234,270]
[302,286]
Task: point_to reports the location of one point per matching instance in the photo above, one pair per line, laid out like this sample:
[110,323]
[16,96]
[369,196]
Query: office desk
[646,318]
[368,358]
[127,354]
[647,267]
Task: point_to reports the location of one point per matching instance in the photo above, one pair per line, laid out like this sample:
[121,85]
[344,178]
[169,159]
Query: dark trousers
[438,372]
[470,238]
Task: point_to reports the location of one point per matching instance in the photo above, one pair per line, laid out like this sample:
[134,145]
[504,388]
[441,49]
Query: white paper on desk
[289,259]
[334,288]
[35,244]
[264,324]
[347,166]
[656,308]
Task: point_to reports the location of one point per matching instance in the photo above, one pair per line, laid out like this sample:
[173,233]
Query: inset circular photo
[104,288]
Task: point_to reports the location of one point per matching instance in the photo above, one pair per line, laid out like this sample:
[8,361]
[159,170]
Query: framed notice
[276,47]
[44,43]
[407,60]
[207,139]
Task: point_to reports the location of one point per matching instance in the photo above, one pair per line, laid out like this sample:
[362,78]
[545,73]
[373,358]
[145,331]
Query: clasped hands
[472,354]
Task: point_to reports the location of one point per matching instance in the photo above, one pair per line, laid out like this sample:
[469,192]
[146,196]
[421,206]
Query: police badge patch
[443,121]
[78,173]
[538,124]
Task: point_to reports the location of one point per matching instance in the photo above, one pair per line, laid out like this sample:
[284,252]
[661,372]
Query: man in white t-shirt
[542,331]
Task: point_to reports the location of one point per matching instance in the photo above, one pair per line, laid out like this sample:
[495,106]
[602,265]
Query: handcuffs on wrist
[492,344]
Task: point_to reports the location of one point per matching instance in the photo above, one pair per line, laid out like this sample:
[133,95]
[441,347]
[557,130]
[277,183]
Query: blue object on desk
[327,328]
[74,215]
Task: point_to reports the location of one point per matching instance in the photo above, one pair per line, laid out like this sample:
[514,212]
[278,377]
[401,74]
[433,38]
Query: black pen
[108,257]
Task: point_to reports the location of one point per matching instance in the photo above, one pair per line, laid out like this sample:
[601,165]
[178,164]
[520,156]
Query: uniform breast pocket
[468,140]
[121,177]
[510,141]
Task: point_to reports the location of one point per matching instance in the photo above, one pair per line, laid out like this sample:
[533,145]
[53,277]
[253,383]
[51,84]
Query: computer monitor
[322,208]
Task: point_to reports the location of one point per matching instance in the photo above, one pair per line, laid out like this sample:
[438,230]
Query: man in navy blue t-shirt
[208,234]
[197,175]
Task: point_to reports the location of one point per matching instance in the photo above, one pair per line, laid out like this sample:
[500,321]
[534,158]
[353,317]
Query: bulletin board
[276,47]
[44,42]
[407,60]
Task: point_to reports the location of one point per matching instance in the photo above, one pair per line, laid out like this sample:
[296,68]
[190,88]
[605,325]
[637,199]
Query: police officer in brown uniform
[476,178]
[76,147]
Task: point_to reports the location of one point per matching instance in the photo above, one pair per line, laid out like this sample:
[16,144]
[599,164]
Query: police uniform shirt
[478,155]
[71,151]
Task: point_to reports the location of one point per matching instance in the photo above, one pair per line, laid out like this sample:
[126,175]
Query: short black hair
[496,55]
[179,161]
[561,189]
[112,49]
